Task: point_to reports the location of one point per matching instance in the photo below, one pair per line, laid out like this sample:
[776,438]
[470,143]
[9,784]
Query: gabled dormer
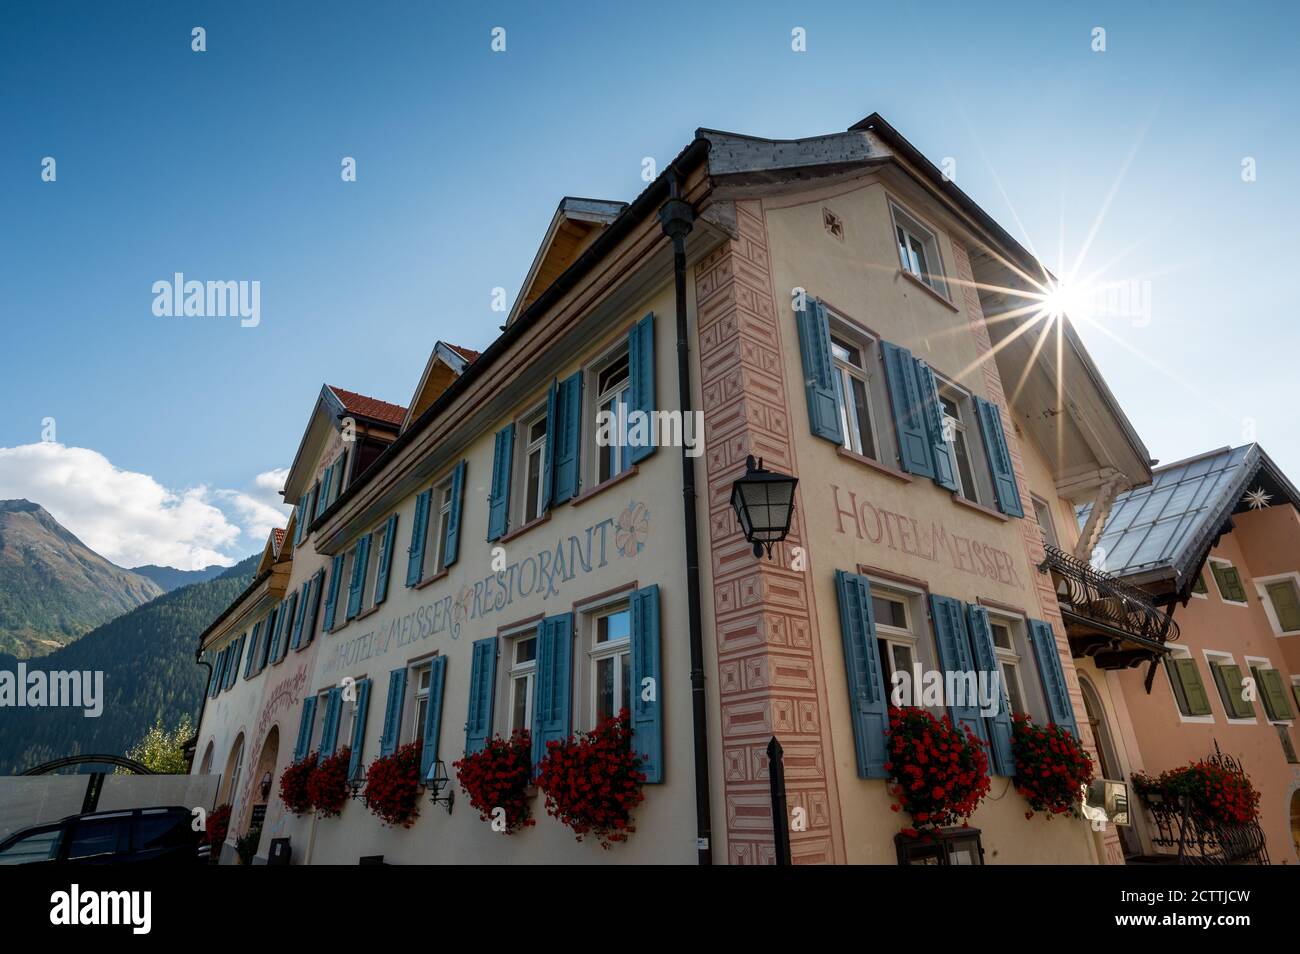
[445,365]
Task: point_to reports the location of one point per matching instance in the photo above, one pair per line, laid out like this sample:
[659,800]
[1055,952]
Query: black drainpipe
[203,706]
[677,219]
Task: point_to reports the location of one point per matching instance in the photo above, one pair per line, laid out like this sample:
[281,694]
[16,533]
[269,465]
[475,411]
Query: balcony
[1115,624]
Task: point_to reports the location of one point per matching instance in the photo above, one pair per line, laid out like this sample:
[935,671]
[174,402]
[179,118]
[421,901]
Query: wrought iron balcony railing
[1099,600]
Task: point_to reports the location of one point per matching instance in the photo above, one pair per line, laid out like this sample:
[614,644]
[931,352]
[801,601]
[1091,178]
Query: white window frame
[1263,663]
[1261,587]
[523,427]
[1012,657]
[370,585]
[414,671]
[868,349]
[238,769]
[1182,652]
[912,598]
[1218,654]
[1206,594]
[916,229]
[435,528]
[520,672]
[981,473]
[1046,511]
[610,649]
[618,454]
[318,720]
[1223,599]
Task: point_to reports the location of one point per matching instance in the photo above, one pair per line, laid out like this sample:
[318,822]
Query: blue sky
[225,165]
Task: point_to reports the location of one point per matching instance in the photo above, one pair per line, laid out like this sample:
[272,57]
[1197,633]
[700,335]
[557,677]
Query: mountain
[170,578]
[54,588]
[147,657]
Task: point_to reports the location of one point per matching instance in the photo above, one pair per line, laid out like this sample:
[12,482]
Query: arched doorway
[205,767]
[234,768]
[1109,767]
[1295,820]
[262,781]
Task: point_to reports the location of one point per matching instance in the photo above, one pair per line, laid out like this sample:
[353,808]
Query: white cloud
[131,519]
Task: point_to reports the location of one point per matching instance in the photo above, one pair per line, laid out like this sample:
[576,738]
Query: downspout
[193,744]
[677,218]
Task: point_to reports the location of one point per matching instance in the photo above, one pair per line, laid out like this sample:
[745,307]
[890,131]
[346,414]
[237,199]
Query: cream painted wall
[898,519]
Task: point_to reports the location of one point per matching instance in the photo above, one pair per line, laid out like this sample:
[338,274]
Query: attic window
[833,223]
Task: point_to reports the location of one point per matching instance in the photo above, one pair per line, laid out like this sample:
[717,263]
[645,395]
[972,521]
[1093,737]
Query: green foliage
[150,677]
[163,751]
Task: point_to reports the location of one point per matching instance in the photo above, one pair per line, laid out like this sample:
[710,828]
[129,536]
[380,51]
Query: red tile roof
[465,353]
[278,534]
[372,408]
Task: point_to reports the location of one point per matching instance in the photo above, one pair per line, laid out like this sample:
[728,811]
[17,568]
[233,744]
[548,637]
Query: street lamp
[437,782]
[764,502]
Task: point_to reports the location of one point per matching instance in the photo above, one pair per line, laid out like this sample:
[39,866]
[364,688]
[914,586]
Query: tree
[162,751]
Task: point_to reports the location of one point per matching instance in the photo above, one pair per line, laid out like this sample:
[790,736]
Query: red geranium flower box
[393,786]
[939,774]
[592,781]
[498,777]
[327,786]
[1051,767]
[293,785]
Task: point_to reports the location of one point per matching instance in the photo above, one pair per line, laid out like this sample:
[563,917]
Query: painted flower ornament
[631,529]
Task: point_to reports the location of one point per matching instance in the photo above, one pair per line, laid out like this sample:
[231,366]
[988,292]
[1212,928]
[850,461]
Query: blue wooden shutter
[233,676]
[332,601]
[451,545]
[312,611]
[647,714]
[914,449]
[305,723]
[355,769]
[482,689]
[329,735]
[361,556]
[250,665]
[499,502]
[419,532]
[300,614]
[273,633]
[299,520]
[323,497]
[945,474]
[641,382]
[548,452]
[553,685]
[284,628]
[218,673]
[1052,675]
[264,644]
[995,448]
[819,371]
[433,715]
[950,636]
[393,711]
[998,725]
[568,439]
[385,560]
[869,706]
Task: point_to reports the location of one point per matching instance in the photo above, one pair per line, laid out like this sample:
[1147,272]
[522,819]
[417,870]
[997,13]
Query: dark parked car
[136,836]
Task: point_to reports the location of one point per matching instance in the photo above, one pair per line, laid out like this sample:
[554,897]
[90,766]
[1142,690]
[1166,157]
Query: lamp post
[437,782]
[764,503]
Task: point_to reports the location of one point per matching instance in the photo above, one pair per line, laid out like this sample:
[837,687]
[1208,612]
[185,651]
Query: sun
[1062,299]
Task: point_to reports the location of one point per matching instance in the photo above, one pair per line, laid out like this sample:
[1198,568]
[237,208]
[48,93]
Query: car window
[100,836]
[161,830]
[38,846]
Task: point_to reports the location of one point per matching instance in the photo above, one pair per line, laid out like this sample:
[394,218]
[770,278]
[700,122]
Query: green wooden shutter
[914,450]
[357,586]
[419,532]
[647,713]
[1176,685]
[568,440]
[433,716]
[869,706]
[385,559]
[999,457]
[356,767]
[329,735]
[1052,675]
[819,371]
[945,472]
[303,747]
[482,690]
[1286,605]
[451,544]
[1196,701]
[1273,693]
[553,685]
[641,383]
[548,452]
[949,616]
[1229,581]
[332,600]
[393,711]
[1231,690]
[998,725]
[499,501]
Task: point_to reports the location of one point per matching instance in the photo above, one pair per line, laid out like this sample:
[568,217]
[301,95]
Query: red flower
[498,777]
[293,785]
[592,782]
[327,785]
[393,786]
[940,772]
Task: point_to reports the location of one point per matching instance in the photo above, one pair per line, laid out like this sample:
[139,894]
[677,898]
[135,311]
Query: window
[437,547]
[1270,690]
[523,672]
[1187,687]
[895,638]
[1199,588]
[1281,598]
[1043,511]
[956,413]
[341,614]
[1227,677]
[1228,580]
[100,836]
[1004,647]
[42,845]
[534,467]
[612,383]
[853,393]
[918,251]
[611,661]
[237,761]
[420,710]
[368,585]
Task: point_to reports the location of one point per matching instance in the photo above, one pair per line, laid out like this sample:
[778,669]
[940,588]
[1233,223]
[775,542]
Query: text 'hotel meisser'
[486,561]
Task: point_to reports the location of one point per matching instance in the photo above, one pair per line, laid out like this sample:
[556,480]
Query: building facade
[487,559]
